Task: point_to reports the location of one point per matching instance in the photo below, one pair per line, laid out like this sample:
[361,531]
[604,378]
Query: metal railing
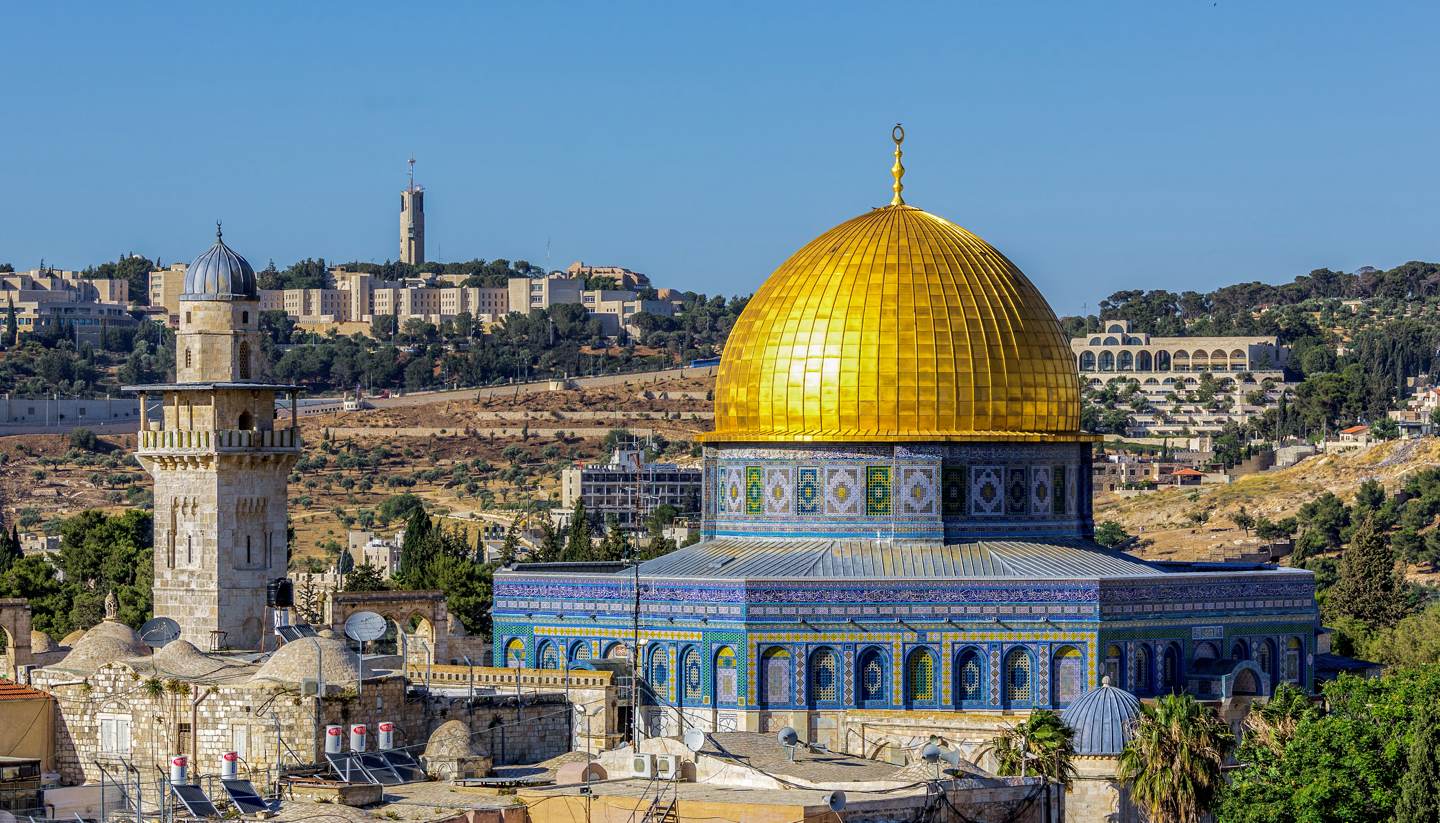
[218,440]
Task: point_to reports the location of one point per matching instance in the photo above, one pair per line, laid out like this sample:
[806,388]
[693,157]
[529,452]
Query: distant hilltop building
[51,299]
[412,221]
[1168,368]
[629,489]
[623,277]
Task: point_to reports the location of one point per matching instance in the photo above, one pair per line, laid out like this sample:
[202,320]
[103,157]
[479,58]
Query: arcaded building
[897,530]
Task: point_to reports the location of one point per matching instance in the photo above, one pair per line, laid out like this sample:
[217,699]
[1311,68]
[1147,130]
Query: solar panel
[294,631]
[379,769]
[404,765]
[195,800]
[348,769]
[242,793]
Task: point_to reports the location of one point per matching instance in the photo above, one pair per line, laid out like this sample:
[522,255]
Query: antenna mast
[412,174]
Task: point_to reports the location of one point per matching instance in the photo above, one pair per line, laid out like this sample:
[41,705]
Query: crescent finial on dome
[897,171]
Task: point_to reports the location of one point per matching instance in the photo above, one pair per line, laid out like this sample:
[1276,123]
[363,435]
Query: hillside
[1162,519]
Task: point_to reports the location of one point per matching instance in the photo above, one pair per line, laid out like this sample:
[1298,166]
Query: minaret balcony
[172,441]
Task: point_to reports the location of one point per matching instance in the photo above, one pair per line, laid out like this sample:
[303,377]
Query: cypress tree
[1370,587]
[417,552]
[578,546]
[510,549]
[1420,786]
[12,327]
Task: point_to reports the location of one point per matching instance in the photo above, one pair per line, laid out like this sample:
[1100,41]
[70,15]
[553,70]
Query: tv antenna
[412,174]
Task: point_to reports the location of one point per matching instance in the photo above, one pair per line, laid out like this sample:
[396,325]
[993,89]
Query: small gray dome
[1103,720]
[220,274]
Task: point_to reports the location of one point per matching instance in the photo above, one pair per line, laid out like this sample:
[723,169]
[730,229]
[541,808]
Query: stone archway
[402,609]
[15,621]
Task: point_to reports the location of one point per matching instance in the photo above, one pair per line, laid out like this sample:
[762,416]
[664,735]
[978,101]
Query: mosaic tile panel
[1040,491]
[917,490]
[779,490]
[877,491]
[808,493]
[1017,492]
[987,498]
[952,491]
[754,490]
[994,675]
[734,495]
[1059,490]
[843,493]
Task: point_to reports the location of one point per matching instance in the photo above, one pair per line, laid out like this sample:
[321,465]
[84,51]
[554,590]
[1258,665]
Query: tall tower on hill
[219,462]
[412,221]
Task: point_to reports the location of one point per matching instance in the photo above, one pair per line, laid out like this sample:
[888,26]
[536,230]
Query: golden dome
[897,326]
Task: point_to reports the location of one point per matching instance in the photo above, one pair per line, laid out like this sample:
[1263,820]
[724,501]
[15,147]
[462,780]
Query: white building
[628,489]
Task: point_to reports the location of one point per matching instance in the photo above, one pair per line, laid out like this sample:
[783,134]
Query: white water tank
[334,739]
[179,770]
[357,737]
[229,766]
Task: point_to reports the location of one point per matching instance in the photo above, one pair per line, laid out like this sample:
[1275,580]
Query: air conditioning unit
[667,766]
[643,765]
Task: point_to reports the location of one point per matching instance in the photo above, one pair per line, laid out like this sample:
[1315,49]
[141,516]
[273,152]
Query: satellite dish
[159,631]
[835,800]
[950,756]
[694,740]
[931,753]
[788,737]
[364,626]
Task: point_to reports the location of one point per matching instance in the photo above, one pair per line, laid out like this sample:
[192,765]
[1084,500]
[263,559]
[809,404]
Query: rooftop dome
[450,740]
[41,642]
[1103,720]
[897,325]
[220,274]
[295,661]
[107,642]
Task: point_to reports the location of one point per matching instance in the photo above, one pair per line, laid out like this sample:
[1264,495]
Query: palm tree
[1172,762]
[1042,745]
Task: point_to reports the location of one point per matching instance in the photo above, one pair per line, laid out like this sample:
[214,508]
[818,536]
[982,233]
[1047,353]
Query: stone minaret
[412,222]
[219,461]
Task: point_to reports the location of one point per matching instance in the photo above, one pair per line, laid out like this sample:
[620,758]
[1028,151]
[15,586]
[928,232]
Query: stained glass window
[775,677]
[1265,659]
[920,676]
[1205,651]
[659,669]
[549,656]
[1068,679]
[1114,665]
[690,665]
[1293,648]
[1017,677]
[970,683]
[580,651]
[1142,669]
[872,678]
[1169,669]
[825,676]
[515,653]
[726,682]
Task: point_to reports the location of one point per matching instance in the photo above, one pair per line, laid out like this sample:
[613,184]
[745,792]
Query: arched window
[1239,650]
[549,656]
[1170,669]
[1018,668]
[775,677]
[1067,679]
[1265,658]
[920,678]
[1294,650]
[1127,361]
[1206,651]
[1143,668]
[1112,341]
[1143,361]
[969,679]
[515,653]
[1094,341]
[580,650]
[692,678]
[1162,361]
[825,677]
[617,651]
[726,679]
[1087,361]
[246,422]
[1115,328]
[1107,361]
[1115,665]
[660,670]
[871,679]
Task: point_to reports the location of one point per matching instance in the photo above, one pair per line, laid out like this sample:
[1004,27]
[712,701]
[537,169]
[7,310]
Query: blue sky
[1102,146]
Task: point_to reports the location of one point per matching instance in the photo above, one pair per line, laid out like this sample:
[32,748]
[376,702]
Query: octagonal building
[897,536]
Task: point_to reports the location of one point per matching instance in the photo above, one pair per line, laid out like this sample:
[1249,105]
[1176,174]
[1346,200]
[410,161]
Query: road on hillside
[517,389]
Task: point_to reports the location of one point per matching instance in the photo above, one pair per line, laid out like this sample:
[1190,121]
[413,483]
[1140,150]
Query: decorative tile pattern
[994,675]
[1040,490]
[754,490]
[917,490]
[807,490]
[986,495]
[779,490]
[952,491]
[1017,492]
[877,491]
[843,494]
[734,483]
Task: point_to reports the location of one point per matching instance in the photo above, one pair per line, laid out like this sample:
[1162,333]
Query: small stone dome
[451,740]
[1103,720]
[40,642]
[220,274]
[295,661]
[108,642]
[180,658]
[72,638]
